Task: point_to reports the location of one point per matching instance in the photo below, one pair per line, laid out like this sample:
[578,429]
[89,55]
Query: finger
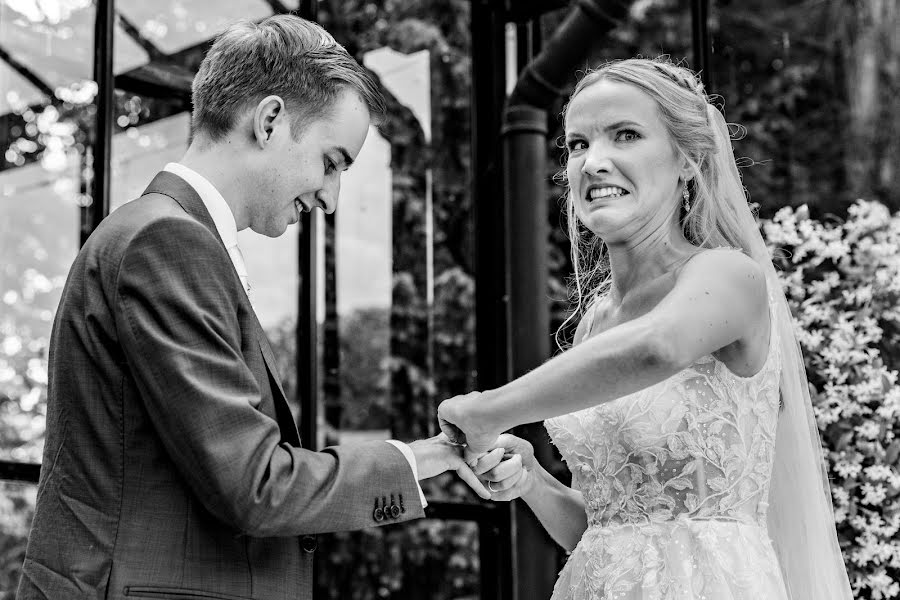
[505,469]
[504,484]
[513,492]
[466,474]
[488,461]
[471,458]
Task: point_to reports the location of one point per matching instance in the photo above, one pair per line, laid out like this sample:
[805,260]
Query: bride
[682,410]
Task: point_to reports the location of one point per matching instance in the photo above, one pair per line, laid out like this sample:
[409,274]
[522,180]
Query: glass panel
[18,91]
[16,511]
[44,170]
[127,53]
[53,39]
[398,334]
[173,25]
[429,558]
[42,184]
[397,321]
[145,141]
[272,264]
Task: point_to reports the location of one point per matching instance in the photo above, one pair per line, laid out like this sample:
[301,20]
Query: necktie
[237,258]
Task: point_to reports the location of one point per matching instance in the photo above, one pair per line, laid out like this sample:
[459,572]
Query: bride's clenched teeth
[607,191]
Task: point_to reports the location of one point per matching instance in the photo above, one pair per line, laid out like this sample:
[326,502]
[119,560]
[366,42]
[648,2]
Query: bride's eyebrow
[576,132]
[623,123]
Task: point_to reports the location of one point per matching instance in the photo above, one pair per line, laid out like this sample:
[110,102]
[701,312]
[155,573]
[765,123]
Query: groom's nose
[328,195]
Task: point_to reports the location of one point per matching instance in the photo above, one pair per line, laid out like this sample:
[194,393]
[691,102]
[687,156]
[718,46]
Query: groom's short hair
[282,55]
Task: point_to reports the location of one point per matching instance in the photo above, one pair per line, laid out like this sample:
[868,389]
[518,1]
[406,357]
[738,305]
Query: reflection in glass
[397,311]
[43,180]
[272,264]
[428,558]
[358,407]
[46,126]
[140,152]
[173,25]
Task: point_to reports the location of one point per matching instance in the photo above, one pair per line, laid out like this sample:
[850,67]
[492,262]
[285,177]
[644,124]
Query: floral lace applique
[686,462]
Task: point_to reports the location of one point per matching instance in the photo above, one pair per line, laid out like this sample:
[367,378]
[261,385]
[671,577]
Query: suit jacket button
[309,543]
[378,514]
[395,511]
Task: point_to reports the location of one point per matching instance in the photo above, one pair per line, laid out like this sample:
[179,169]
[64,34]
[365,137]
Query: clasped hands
[496,466]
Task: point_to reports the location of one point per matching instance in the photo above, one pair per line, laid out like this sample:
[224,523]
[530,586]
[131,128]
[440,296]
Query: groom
[172,466]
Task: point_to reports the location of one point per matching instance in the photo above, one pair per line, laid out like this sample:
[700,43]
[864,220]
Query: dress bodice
[699,445]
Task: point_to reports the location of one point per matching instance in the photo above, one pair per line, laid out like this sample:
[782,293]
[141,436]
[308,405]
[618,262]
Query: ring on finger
[491,487]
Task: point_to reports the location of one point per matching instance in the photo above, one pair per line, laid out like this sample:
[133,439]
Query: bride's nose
[596,161]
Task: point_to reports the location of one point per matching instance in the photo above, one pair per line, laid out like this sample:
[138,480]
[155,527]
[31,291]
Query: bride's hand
[459,421]
[506,470]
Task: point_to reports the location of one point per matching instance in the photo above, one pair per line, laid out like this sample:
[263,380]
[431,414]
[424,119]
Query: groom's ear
[268,114]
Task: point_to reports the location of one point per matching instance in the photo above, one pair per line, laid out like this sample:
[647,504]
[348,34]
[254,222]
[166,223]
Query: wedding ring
[491,488]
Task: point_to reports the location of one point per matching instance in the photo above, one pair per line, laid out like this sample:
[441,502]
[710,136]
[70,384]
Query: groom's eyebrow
[348,160]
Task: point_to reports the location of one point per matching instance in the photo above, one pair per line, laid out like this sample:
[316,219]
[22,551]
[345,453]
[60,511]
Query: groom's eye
[330,167]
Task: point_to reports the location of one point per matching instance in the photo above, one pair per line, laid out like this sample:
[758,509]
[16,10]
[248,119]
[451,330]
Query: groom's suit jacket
[172,466]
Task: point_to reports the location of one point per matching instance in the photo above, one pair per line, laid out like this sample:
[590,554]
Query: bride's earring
[686,197]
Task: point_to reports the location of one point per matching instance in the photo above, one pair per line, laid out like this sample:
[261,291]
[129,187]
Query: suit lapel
[183,193]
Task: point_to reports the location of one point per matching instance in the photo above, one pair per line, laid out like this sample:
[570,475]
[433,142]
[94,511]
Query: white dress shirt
[225,224]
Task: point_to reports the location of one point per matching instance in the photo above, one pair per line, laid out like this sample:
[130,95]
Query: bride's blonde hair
[700,135]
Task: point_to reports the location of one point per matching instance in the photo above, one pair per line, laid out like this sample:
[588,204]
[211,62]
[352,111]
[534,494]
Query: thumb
[471,457]
[453,433]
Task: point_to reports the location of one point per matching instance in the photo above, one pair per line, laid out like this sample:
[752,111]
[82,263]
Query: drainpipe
[524,142]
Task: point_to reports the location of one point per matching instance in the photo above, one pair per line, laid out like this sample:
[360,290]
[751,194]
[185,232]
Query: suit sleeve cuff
[411,459]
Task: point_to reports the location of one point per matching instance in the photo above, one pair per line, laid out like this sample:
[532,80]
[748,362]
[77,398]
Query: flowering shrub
[842,280]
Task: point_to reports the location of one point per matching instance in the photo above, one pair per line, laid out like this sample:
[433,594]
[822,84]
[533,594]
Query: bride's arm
[514,472]
[719,298]
[559,508]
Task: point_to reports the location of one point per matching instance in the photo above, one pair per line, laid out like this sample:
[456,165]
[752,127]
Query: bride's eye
[575,145]
[627,135]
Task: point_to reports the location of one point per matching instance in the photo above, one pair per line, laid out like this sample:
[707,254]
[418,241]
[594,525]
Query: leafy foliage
[843,285]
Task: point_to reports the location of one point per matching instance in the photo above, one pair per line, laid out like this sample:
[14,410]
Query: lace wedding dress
[675,480]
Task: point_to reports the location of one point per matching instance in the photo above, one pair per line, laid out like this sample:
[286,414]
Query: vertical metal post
[309,9]
[104,26]
[702,43]
[489,543]
[307,364]
[331,340]
[491,277]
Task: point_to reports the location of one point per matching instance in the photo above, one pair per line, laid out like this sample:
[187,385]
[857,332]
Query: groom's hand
[459,420]
[438,454]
